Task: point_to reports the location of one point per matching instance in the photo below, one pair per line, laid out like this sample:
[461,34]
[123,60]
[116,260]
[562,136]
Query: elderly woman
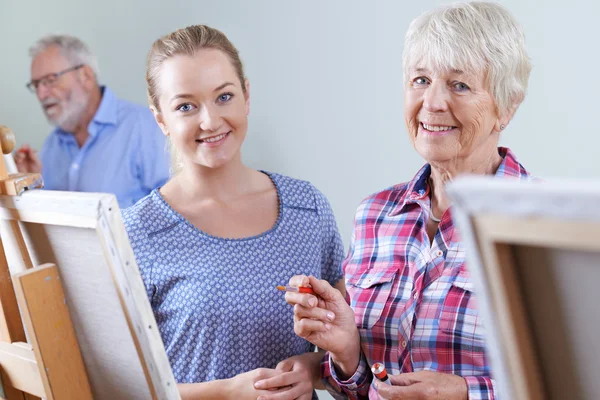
[411,302]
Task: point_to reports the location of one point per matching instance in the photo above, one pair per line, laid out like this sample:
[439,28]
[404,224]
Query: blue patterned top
[214,299]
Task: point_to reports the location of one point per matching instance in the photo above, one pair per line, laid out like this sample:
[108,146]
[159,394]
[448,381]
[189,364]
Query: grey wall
[326,81]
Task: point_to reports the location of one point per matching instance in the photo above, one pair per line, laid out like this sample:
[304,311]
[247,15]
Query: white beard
[72,109]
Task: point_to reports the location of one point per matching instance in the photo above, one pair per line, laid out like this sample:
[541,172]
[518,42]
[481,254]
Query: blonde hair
[473,37]
[186,41]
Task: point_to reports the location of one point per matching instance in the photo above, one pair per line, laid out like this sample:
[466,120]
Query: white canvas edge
[131,290]
[53,207]
[474,261]
[470,196]
[519,198]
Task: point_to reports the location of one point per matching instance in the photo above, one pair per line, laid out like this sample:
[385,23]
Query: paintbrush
[296,289]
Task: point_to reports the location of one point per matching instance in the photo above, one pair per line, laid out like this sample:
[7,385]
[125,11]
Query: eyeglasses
[50,79]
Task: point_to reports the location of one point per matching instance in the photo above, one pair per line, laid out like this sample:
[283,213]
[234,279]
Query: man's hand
[27,160]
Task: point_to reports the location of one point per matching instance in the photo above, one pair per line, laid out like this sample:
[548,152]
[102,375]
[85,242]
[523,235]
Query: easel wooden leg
[11,330]
[11,326]
[46,316]
[12,234]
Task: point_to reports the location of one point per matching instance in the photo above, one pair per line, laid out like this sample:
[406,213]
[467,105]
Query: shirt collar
[510,166]
[418,188]
[107,111]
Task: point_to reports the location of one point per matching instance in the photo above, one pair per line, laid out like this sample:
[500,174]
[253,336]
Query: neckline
[193,227]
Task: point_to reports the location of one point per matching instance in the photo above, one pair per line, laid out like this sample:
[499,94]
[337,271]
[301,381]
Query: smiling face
[450,114]
[203,107]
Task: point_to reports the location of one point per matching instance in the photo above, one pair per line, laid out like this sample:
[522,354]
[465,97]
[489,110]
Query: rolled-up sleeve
[480,388]
[354,388]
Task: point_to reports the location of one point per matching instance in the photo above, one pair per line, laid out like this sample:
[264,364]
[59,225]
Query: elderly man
[100,143]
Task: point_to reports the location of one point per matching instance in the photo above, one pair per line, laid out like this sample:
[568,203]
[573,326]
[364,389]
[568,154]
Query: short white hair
[473,37]
[72,48]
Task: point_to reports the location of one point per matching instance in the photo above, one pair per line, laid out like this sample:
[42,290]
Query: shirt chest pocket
[459,315]
[369,293]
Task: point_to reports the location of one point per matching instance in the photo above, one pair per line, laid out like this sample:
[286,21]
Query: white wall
[326,81]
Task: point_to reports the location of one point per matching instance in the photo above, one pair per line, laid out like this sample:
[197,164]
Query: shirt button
[416,296]
[439,253]
[403,344]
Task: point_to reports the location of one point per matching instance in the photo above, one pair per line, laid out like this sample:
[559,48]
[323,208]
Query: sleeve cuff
[361,377]
[480,388]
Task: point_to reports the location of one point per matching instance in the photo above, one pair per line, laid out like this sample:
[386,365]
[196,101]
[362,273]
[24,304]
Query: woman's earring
[502,127]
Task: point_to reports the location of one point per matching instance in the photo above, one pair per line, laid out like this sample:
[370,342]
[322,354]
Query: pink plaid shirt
[413,301]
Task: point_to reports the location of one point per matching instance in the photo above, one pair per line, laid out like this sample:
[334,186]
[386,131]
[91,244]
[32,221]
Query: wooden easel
[39,352]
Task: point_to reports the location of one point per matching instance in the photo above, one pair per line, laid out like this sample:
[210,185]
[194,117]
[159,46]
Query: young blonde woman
[216,239]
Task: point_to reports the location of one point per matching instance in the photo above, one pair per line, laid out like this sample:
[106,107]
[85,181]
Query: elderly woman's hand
[423,385]
[327,321]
